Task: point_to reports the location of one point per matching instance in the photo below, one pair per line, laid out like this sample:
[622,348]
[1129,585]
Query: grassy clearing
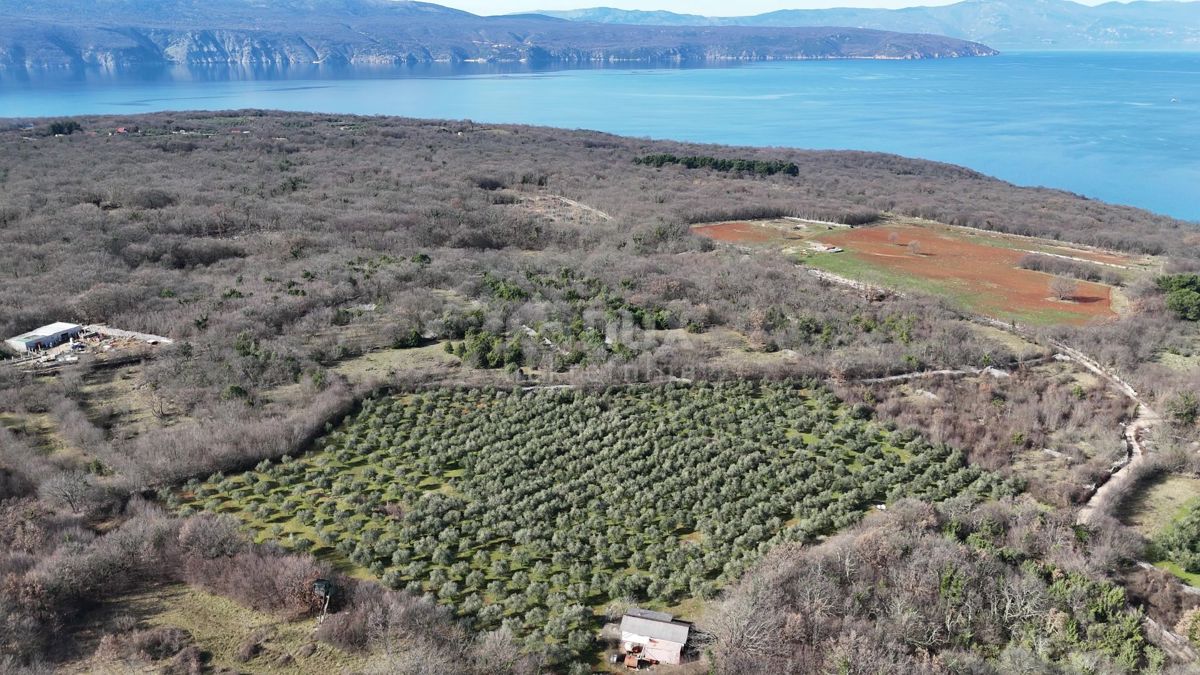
[1036,467]
[1161,501]
[219,627]
[1189,363]
[722,347]
[386,362]
[38,430]
[1020,347]
[1035,317]
[1176,540]
[1162,506]
[774,233]
[42,433]
[1187,577]
[119,400]
[382,365]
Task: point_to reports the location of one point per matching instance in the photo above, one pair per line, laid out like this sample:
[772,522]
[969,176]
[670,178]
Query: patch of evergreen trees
[1183,294]
[754,166]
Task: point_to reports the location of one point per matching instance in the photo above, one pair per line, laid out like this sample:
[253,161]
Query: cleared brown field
[738,232]
[986,277]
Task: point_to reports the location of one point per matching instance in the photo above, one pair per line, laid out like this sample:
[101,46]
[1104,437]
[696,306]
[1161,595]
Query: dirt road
[1135,432]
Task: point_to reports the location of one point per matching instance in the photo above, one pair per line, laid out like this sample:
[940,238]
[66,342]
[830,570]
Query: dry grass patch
[37,429]
[120,400]
[1161,500]
[386,362]
[1020,347]
[224,631]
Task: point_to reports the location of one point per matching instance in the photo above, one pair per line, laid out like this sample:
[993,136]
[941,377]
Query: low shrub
[159,643]
[154,644]
[209,536]
[262,579]
[1070,268]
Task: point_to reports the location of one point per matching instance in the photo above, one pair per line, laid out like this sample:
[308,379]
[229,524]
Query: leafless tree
[747,624]
[73,489]
[1062,288]
[497,651]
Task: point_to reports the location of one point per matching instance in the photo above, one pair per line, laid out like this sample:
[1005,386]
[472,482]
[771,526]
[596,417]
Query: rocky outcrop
[357,32]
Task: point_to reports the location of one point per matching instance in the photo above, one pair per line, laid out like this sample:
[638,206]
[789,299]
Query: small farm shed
[44,337]
[653,636]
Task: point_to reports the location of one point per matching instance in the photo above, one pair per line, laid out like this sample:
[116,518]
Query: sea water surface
[1121,127]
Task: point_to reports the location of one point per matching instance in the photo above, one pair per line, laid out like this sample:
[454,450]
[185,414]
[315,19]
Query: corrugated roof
[58,327]
[651,628]
[48,330]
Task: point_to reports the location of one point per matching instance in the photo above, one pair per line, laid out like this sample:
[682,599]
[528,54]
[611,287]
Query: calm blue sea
[1122,127]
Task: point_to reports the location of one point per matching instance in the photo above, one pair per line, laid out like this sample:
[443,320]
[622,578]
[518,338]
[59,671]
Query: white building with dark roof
[653,636]
[44,337]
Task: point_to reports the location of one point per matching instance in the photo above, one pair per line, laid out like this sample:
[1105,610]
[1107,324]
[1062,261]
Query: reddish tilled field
[737,233]
[987,273]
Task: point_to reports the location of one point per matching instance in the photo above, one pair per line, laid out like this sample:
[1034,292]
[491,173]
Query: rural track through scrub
[1174,644]
[1082,260]
[1090,254]
[959,372]
[1124,476]
[904,377]
[584,207]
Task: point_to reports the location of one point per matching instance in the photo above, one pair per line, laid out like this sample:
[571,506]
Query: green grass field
[1163,500]
[866,271]
[1167,511]
[219,627]
[1189,578]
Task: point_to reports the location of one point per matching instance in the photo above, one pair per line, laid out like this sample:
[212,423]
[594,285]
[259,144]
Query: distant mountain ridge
[121,33]
[1004,24]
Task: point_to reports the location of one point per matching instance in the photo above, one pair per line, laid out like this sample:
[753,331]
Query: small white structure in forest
[652,636]
[44,337]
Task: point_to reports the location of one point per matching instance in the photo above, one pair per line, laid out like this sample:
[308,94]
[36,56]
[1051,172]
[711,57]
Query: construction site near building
[59,344]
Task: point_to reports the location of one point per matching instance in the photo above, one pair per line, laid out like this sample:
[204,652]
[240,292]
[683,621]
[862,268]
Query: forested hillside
[1005,24]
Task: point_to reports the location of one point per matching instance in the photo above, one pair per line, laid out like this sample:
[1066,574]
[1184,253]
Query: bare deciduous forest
[283,252]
